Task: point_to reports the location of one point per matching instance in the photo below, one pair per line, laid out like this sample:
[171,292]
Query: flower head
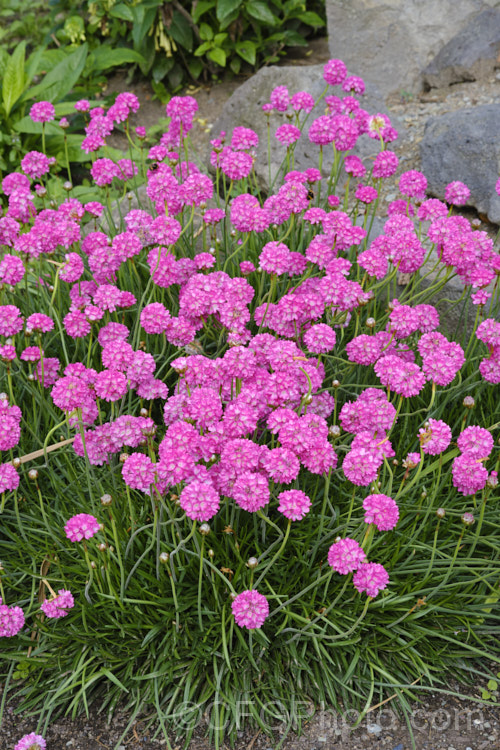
[81,526]
[346,555]
[294,504]
[382,511]
[250,609]
[59,605]
[371,578]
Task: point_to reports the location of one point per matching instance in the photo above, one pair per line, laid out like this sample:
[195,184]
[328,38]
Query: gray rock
[465,146]
[471,55]
[390,42]
[244,108]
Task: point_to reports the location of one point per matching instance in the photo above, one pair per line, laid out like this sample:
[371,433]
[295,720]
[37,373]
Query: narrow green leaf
[226,7]
[13,79]
[247,50]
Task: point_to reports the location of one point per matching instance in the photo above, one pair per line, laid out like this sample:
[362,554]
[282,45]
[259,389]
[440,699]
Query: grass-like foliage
[239,474]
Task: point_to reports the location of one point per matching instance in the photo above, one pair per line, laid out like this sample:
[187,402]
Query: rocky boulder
[245,108]
[465,146]
[471,55]
[390,42]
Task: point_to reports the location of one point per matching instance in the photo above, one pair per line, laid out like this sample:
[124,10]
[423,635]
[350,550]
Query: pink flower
[345,555]
[477,441]
[9,478]
[31,741]
[294,504]
[469,475]
[81,526]
[275,258]
[279,98]
[382,511]
[434,437]
[110,385]
[42,112]
[138,472]
[413,184]
[199,500]
[320,338]
[385,164]
[250,609]
[334,72]
[457,193]
[287,134]
[58,606]
[11,620]
[370,577]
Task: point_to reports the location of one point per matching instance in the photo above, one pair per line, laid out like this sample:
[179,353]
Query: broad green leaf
[206,32]
[235,65]
[49,59]
[217,55]
[226,7]
[162,67]
[181,31]
[107,57]
[13,79]
[201,8]
[143,20]
[195,67]
[63,109]
[219,39]
[261,12]
[485,695]
[492,685]
[4,59]
[26,125]
[294,39]
[60,80]
[202,49]
[311,19]
[247,50]
[122,11]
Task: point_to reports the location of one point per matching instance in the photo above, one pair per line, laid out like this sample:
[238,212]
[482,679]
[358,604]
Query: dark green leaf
[247,50]
[260,11]
[235,65]
[294,39]
[201,8]
[122,11]
[60,80]
[13,79]
[195,67]
[181,32]
[107,57]
[217,55]
[311,19]
[142,23]
[162,67]
[226,8]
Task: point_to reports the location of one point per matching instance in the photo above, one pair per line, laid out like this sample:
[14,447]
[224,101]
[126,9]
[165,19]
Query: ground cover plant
[243,470]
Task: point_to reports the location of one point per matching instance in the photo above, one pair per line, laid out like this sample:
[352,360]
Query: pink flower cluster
[250,609]
[11,620]
[58,606]
[469,474]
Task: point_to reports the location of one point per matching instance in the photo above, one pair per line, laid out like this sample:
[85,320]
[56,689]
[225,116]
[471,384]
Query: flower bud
[123,457]
[106,500]
[210,553]
[16,463]
[334,431]
[93,564]
[468,519]
[102,546]
[67,186]
[492,480]
[164,557]
[335,383]
[370,323]
[204,529]
[469,402]
[252,563]
[440,513]
[33,475]
[144,412]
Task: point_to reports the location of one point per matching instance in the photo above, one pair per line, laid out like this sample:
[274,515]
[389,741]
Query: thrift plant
[240,462]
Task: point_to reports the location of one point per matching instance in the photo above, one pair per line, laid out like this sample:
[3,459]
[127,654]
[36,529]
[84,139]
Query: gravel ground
[439,721]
